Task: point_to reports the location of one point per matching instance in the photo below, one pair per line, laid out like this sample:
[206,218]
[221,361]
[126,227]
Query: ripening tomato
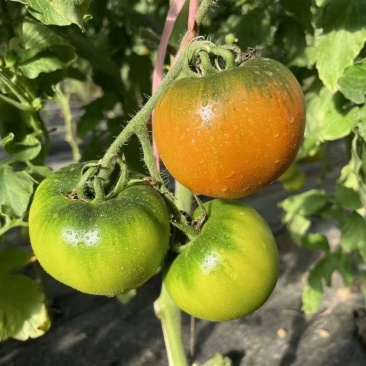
[229,134]
[231,267]
[98,248]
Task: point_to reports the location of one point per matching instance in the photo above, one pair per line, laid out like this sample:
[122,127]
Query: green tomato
[98,248]
[231,267]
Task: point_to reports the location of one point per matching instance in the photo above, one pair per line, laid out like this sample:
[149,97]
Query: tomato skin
[103,248]
[229,134]
[230,269]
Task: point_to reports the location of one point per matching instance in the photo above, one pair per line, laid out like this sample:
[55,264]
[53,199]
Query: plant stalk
[71,137]
[170,317]
[141,119]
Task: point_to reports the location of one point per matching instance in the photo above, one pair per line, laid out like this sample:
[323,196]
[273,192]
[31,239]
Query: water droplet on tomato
[216,108]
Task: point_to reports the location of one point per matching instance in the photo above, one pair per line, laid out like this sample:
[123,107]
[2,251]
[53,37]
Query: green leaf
[94,113]
[315,242]
[313,290]
[293,179]
[24,150]
[252,28]
[298,226]
[347,193]
[353,81]
[58,12]
[14,259]
[327,119]
[290,39]
[22,311]
[38,172]
[43,50]
[301,10]
[312,296]
[36,36]
[45,63]
[304,204]
[353,229]
[340,39]
[344,268]
[362,125]
[16,191]
[347,198]
[218,360]
[359,163]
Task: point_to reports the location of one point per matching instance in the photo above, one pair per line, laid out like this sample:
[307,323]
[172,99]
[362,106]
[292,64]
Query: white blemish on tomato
[210,262]
[76,237]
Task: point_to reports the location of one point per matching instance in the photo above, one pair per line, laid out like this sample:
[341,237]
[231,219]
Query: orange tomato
[231,133]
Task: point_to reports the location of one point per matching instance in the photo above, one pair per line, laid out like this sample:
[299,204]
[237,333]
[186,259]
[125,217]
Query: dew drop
[216,108]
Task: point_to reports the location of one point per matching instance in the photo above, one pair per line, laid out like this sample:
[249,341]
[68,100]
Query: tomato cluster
[223,135]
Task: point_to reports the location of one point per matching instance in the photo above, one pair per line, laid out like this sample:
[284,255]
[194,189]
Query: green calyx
[204,58]
[100,182]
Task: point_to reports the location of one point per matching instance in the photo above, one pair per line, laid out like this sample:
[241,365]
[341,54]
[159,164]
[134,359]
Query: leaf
[293,179]
[218,360]
[22,311]
[313,290]
[94,113]
[45,63]
[58,12]
[315,242]
[340,39]
[312,297]
[347,198]
[327,120]
[347,193]
[353,229]
[298,226]
[43,50]
[301,9]
[359,163]
[38,172]
[36,36]
[304,204]
[24,150]
[14,259]
[353,81]
[16,191]
[253,28]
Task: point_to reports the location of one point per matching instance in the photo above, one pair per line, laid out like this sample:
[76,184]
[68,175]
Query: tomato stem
[138,123]
[170,317]
[188,230]
[149,157]
[70,127]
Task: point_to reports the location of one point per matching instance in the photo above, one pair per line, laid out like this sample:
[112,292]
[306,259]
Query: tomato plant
[231,267]
[234,131]
[100,248]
